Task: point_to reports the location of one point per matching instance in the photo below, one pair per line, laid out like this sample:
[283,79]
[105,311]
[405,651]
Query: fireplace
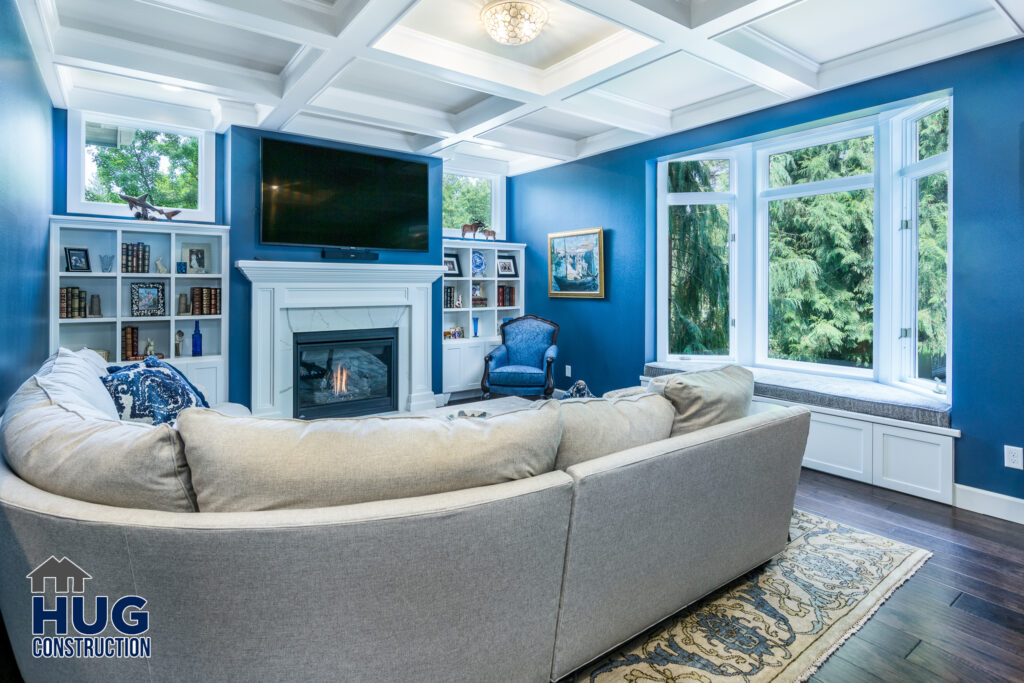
[345,373]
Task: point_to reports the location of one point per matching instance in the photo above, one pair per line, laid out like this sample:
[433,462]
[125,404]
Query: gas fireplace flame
[340,380]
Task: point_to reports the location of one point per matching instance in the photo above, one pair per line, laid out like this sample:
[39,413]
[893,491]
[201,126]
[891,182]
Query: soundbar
[349,255]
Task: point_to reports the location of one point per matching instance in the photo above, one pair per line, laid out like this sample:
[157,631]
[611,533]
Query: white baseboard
[989,503]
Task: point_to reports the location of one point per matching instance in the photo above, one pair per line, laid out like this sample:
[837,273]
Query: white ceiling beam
[608,140]
[355,133]
[270,18]
[367,22]
[142,109]
[723,107]
[485,110]
[380,111]
[531,142]
[766,50]
[629,13]
[73,47]
[227,113]
[605,107]
[1013,10]
[40,22]
[458,160]
[711,18]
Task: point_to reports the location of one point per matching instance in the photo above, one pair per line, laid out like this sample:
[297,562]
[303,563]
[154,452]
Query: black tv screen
[323,197]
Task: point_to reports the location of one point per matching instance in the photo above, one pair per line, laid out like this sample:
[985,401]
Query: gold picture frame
[576,264]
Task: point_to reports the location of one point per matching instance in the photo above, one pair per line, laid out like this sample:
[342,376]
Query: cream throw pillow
[593,427]
[706,398]
[79,453]
[244,463]
[624,392]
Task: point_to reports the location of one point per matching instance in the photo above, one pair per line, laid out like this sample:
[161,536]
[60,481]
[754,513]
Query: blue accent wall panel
[26,197]
[242,182]
[608,341]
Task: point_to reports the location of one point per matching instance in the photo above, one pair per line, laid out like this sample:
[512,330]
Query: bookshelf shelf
[169,241]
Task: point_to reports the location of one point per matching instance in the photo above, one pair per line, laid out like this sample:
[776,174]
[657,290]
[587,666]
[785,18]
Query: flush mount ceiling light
[513,23]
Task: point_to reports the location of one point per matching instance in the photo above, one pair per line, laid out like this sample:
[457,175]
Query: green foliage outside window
[162,165]
[465,199]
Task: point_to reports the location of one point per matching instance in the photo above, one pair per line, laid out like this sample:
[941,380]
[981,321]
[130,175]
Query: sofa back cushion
[593,427]
[241,464]
[706,398]
[57,442]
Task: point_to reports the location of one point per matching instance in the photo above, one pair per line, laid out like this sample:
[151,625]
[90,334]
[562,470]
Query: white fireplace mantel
[290,297]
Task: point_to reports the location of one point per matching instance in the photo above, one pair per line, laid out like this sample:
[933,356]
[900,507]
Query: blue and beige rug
[777,623]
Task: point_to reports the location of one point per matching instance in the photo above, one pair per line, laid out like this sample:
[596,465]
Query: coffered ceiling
[422,75]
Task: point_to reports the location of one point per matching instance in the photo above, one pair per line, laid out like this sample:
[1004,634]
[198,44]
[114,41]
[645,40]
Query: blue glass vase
[197,341]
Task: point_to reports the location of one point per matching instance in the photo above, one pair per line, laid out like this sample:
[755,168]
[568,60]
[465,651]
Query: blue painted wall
[26,176]
[242,180]
[607,341]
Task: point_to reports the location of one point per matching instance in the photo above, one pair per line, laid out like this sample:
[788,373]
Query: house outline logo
[63,572]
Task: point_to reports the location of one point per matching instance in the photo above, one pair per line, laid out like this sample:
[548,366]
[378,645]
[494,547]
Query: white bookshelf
[463,359]
[165,239]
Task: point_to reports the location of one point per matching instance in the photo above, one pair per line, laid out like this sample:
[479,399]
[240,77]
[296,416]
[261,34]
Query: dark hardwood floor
[959,618]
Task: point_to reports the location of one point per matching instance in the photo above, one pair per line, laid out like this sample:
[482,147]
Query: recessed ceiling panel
[554,122]
[568,30]
[163,28]
[673,82]
[371,78]
[824,30]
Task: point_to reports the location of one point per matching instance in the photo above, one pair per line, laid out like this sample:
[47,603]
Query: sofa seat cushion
[593,427]
[80,453]
[152,392]
[241,464]
[706,398]
[517,376]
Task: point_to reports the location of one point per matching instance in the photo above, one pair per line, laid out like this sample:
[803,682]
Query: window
[842,234]
[469,197]
[108,157]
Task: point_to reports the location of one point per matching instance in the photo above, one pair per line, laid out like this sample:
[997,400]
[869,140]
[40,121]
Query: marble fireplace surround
[290,297]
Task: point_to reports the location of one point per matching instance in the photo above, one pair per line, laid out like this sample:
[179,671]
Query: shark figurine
[140,208]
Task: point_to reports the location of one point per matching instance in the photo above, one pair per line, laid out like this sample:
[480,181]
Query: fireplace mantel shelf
[337,273]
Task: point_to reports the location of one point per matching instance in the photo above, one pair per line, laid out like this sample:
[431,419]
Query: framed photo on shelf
[147,299]
[196,258]
[452,267]
[507,266]
[76,260]
[576,264]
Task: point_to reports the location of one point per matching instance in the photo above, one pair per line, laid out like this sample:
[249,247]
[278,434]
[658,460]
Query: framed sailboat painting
[576,264]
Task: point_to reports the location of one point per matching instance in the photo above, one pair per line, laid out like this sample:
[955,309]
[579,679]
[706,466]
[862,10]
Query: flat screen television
[322,197]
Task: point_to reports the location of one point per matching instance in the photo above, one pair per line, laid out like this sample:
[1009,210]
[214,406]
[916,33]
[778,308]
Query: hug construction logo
[83,639]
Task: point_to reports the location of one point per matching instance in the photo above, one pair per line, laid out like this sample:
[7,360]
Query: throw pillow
[241,463]
[594,427]
[577,390]
[708,397]
[152,392]
[72,379]
[627,391]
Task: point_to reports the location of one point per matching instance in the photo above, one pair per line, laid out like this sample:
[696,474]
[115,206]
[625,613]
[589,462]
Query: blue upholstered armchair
[523,364]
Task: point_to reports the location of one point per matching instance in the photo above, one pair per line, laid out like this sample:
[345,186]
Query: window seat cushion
[838,393]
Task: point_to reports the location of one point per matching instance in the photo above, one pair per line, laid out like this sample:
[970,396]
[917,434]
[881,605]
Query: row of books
[506,295]
[73,302]
[205,300]
[130,344]
[449,297]
[134,257]
[479,302]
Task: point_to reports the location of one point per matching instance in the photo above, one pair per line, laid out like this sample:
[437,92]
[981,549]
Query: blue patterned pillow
[152,391]
[577,390]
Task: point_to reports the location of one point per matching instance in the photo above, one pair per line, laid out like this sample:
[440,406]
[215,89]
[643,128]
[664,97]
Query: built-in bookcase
[464,357]
[168,242]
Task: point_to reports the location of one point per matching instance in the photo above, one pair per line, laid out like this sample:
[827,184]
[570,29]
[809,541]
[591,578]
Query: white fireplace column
[290,297]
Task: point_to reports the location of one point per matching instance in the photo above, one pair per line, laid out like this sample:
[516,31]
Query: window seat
[853,395]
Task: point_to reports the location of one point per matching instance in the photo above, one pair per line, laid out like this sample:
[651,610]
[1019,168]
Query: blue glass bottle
[197,341]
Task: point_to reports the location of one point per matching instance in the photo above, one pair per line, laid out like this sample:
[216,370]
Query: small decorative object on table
[507,266]
[479,262]
[196,257]
[577,390]
[95,307]
[476,327]
[576,264]
[458,301]
[197,341]
[183,304]
[147,299]
[76,260]
[475,228]
[160,267]
[107,262]
[179,337]
[150,347]
[452,267]
[182,267]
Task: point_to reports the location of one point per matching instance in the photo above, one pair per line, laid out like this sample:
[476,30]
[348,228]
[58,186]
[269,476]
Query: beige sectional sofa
[517,571]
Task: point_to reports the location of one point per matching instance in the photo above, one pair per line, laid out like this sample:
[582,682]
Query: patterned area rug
[777,623]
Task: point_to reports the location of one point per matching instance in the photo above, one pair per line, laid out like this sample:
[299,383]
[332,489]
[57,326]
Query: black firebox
[345,373]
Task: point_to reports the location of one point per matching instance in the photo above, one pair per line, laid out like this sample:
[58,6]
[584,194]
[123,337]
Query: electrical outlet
[568,371]
[1013,456]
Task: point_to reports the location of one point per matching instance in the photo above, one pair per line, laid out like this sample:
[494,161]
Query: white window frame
[765,195]
[76,203]
[667,199]
[498,182]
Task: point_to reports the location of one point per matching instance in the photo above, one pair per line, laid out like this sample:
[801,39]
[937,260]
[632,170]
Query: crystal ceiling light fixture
[513,23]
